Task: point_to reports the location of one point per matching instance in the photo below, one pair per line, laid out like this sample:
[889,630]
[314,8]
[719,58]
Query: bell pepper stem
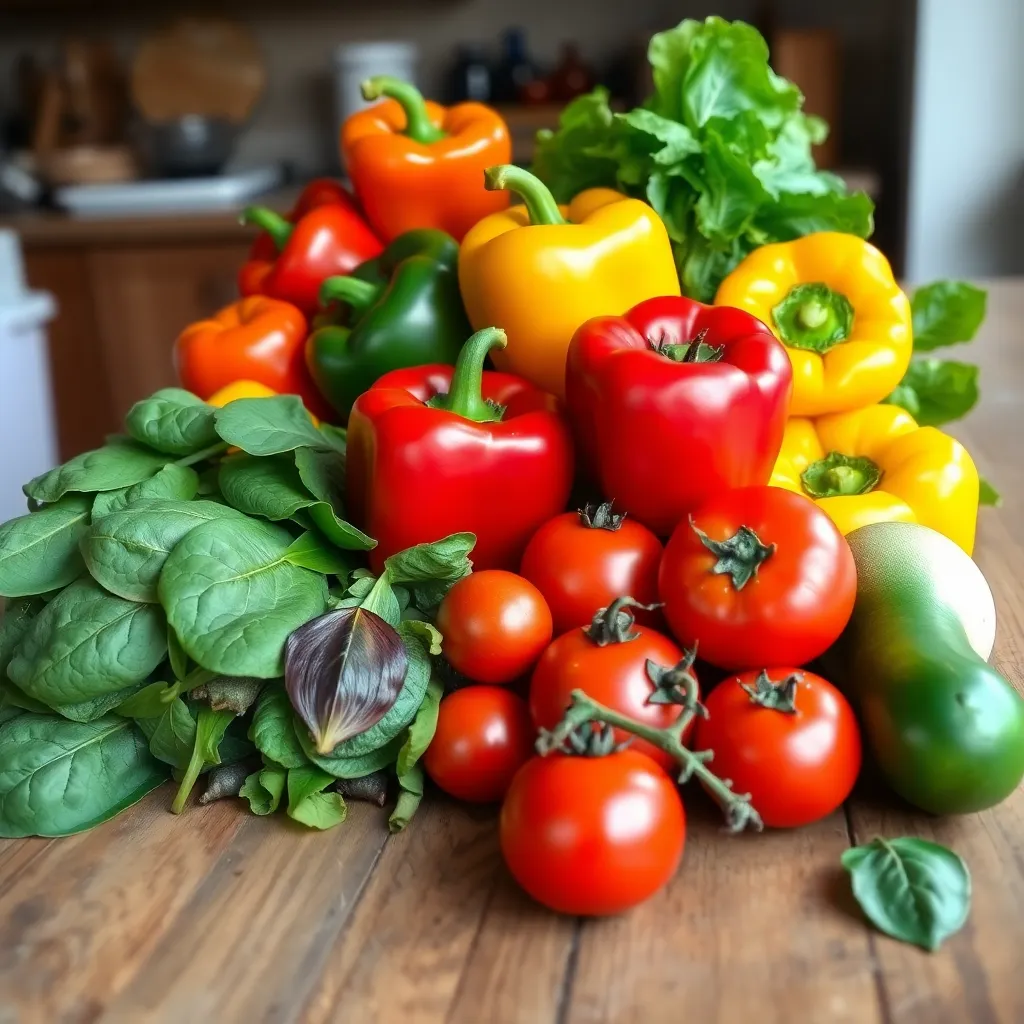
[540,203]
[465,396]
[358,294]
[279,229]
[418,125]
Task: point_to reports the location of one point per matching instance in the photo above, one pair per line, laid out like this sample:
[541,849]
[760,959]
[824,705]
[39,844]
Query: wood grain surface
[221,916]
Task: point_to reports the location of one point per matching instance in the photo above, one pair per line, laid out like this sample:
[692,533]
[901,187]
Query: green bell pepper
[401,309]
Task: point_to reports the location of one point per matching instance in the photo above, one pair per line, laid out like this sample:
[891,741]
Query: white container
[355,62]
[29,438]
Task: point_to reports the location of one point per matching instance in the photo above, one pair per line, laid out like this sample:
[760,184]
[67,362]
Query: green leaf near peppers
[104,469]
[268,426]
[937,391]
[174,421]
[947,313]
[178,483]
[39,552]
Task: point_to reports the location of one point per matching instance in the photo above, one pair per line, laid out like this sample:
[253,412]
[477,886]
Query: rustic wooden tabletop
[220,916]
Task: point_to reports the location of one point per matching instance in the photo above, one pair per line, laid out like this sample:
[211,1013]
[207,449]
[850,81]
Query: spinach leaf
[14,624]
[39,552]
[311,551]
[273,728]
[307,801]
[17,698]
[104,469]
[125,550]
[87,643]
[911,889]
[947,313]
[432,569]
[342,767]
[268,426]
[936,391]
[210,728]
[9,711]
[94,707]
[149,702]
[180,483]
[174,421]
[410,794]
[421,729]
[263,789]
[59,777]
[176,655]
[323,474]
[171,734]
[232,597]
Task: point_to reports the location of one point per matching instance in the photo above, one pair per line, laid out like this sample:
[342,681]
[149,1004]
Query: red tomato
[582,561]
[797,766]
[592,835]
[777,596]
[483,736]
[495,625]
[614,674]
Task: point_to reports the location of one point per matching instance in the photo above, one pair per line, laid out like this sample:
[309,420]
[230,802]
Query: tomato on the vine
[788,738]
[495,625]
[758,576]
[592,835]
[581,561]
[483,736]
[612,662]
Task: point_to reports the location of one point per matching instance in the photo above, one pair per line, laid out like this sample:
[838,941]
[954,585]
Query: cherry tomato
[495,625]
[483,736]
[592,835]
[582,561]
[613,673]
[758,576]
[798,766]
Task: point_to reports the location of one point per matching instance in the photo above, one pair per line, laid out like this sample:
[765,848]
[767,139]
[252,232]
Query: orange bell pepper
[256,339]
[416,164]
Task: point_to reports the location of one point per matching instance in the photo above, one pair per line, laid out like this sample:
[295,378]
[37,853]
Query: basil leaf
[911,889]
[273,728]
[87,643]
[149,702]
[421,729]
[311,552]
[233,599]
[946,313]
[268,426]
[59,777]
[937,391]
[307,801]
[179,483]
[104,469]
[410,795]
[987,495]
[126,550]
[263,790]
[171,734]
[174,421]
[39,552]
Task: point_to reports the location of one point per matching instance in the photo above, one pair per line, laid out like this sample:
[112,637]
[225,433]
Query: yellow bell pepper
[540,270]
[877,465]
[832,301]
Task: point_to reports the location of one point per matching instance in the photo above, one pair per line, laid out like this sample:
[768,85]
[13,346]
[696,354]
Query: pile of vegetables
[346,554]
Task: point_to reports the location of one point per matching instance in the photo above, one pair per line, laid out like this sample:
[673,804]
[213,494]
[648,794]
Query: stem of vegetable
[838,475]
[196,678]
[192,772]
[358,294]
[279,229]
[205,453]
[418,125]
[465,396]
[739,556]
[614,624]
[540,203]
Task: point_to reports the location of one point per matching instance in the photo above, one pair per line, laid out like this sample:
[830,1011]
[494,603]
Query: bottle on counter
[514,70]
[470,76]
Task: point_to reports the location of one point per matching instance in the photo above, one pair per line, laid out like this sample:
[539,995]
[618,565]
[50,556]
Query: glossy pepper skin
[416,164]
[539,270]
[832,300]
[674,401]
[877,465]
[329,239]
[413,315]
[432,452]
[255,339]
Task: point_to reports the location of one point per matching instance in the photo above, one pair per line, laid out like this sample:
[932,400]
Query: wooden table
[219,916]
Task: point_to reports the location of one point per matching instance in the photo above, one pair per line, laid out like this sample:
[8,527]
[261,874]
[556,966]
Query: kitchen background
[925,99]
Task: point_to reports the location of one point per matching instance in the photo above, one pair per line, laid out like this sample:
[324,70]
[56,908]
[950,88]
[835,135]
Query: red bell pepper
[674,401]
[432,451]
[327,238]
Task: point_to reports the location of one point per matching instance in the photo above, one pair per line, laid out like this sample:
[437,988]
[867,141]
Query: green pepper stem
[359,294]
[465,396]
[812,314]
[279,229]
[540,203]
[418,125]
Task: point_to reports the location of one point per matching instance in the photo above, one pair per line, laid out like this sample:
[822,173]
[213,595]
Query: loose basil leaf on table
[125,550]
[263,789]
[39,552]
[180,483]
[307,801]
[273,728]
[59,777]
[233,598]
[269,426]
[103,469]
[947,313]
[911,889]
[312,551]
[171,734]
[937,391]
[410,794]
[87,643]
[174,421]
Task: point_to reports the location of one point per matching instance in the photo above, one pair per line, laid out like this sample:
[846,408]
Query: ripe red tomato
[582,561]
[495,625]
[797,766]
[615,674]
[483,736]
[758,576]
[592,835]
